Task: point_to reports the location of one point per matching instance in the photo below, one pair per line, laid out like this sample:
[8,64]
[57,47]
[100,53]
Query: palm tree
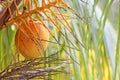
[83,39]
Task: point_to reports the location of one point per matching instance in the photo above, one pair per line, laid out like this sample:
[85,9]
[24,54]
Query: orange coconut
[31,39]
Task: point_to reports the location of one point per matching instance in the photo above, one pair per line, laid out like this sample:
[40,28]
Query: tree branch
[27,72]
[5,13]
